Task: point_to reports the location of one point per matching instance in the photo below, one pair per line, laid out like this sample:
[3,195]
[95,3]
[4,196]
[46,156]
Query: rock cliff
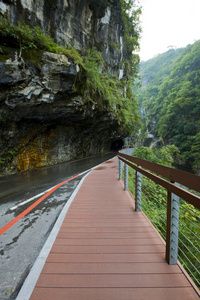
[44,117]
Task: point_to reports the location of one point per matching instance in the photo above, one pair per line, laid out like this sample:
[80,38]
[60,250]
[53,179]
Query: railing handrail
[187,179]
[173,203]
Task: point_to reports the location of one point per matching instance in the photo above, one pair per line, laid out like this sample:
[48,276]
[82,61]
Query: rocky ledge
[43,119]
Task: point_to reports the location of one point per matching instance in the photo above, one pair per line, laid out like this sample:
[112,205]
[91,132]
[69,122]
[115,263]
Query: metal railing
[170,199]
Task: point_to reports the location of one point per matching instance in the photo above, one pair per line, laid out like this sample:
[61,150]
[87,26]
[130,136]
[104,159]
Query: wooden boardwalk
[105,250]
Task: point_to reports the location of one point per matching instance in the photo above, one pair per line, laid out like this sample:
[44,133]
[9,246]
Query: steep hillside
[171,102]
[153,70]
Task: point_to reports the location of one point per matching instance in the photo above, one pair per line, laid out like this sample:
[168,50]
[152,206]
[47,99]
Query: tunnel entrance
[117,145]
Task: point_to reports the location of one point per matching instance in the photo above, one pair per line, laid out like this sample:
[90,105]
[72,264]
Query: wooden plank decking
[105,250]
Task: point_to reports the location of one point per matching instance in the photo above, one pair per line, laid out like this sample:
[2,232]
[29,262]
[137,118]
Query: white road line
[38,195]
[30,199]
[41,194]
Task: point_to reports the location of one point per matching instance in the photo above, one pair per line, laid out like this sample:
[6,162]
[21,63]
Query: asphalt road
[21,243]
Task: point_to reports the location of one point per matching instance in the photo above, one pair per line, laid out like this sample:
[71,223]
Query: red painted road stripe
[26,211]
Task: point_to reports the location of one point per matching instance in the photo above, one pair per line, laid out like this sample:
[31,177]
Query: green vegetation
[170,95]
[131,17]
[117,95]
[154,205]
[102,88]
[163,156]
[24,37]
[8,157]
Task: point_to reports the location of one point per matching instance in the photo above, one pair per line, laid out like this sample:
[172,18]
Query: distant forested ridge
[170,101]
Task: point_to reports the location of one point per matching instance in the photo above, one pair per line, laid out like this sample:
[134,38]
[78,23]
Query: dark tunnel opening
[117,145]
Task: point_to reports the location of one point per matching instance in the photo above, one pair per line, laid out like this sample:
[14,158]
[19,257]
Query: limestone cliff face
[44,120]
[79,23]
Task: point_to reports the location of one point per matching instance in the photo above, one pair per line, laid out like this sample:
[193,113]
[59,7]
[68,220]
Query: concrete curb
[31,280]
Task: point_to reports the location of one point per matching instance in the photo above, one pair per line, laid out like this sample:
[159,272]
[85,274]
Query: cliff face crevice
[44,117]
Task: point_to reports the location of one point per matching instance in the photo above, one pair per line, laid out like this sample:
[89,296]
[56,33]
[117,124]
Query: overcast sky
[168,23]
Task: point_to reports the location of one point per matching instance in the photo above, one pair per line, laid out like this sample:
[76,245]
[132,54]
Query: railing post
[138,187]
[120,168]
[126,177]
[172,228]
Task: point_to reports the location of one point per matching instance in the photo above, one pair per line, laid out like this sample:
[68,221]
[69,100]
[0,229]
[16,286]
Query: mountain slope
[170,96]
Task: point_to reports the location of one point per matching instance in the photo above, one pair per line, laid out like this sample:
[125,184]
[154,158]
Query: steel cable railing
[189,271]
[184,215]
[186,262]
[192,213]
[159,223]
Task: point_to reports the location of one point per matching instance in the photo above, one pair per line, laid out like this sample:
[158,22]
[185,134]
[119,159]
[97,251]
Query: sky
[168,23]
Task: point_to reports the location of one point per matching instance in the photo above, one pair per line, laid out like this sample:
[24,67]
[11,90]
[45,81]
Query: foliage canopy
[171,99]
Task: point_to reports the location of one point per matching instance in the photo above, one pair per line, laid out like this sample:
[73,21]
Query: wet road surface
[21,244]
